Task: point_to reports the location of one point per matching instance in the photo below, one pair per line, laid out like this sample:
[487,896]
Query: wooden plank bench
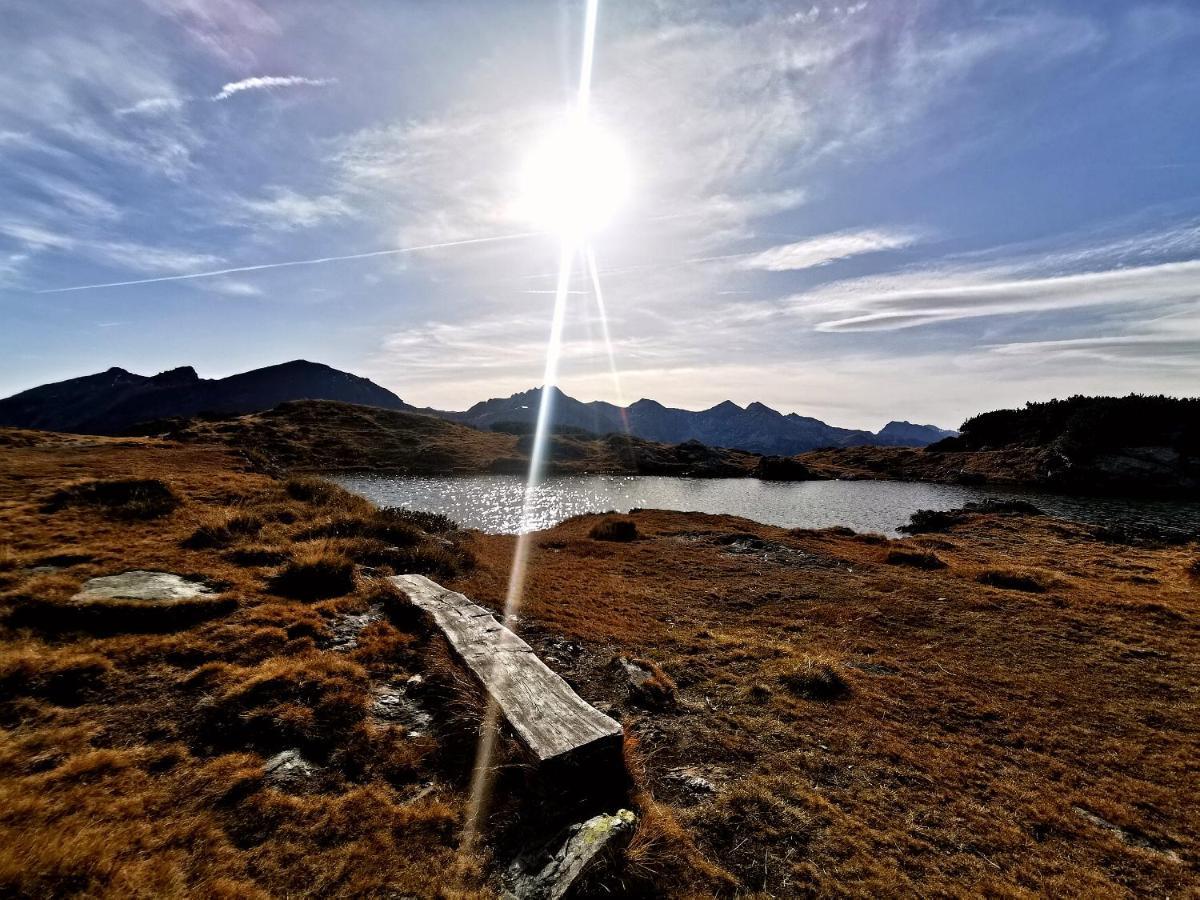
[557,725]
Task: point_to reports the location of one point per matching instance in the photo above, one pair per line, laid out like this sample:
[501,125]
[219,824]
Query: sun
[575,180]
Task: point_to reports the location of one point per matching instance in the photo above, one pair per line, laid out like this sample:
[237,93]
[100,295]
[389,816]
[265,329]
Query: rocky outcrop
[583,846]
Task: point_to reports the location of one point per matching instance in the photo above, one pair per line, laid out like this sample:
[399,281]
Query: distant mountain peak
[180,375]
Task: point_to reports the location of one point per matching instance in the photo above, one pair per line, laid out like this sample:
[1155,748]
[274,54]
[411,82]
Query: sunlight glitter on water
[494,503]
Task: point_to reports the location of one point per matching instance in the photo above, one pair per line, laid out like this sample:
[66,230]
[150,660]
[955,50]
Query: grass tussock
[257,555]
[118,498]
[314,573]
[64,677]
[817,678]
[658,690]
[221,529]
[915,558]
[389,529]
[1014,580]
[308,489]
[614,529]
[309,701]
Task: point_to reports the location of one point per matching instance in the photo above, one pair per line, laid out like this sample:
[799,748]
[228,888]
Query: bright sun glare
[575,180]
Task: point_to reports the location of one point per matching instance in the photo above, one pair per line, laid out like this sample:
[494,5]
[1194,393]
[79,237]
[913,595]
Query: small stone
[691,785]
[288,767]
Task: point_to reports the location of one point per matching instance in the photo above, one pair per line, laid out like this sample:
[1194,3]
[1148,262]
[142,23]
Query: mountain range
[117,401]
[755,427]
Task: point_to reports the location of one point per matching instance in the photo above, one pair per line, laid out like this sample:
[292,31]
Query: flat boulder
[144,585]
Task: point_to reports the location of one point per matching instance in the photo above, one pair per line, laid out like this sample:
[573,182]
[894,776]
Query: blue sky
[856,211]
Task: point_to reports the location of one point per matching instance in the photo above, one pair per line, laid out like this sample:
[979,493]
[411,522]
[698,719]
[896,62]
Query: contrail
[294,262]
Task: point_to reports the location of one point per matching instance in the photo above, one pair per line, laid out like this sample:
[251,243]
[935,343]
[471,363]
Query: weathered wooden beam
[556,724]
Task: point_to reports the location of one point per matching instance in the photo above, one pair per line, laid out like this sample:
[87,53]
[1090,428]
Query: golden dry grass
[868,728]
[980,719]
[131,763]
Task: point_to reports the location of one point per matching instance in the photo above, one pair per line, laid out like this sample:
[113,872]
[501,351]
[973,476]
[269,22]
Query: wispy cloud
[152,106]
[1169,341]
[827,248]
[126,254]
[870,307]
[232,288]
[287,210]
[269,82]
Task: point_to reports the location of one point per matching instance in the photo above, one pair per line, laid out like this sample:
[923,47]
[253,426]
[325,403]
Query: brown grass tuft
[64,677]
[257,556]
[914,558]
[817,678]
[431,522]
[395,532]
[315,573]
[1013,580]
[220,529]
[309,700]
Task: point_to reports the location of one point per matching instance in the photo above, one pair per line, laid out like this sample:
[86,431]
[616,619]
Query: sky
[859,211]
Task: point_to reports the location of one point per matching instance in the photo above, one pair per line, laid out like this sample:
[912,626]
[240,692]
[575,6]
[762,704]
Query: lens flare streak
[483,772]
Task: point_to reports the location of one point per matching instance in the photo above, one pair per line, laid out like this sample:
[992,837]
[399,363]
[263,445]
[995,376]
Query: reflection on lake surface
[493,502]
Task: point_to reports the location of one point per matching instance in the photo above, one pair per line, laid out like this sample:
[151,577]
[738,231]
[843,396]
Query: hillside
[1124,445]
[115,401]
[319,435]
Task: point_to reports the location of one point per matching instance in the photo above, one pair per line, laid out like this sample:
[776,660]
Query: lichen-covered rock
[141,584]
[584,843]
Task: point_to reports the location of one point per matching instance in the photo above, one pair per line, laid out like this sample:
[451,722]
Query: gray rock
[1129,837]
[584,843]
[691,785]
[391,706]
[288,767]
[346,630]
[142,585]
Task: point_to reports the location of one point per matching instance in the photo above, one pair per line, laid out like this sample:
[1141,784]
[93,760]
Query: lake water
[493,503]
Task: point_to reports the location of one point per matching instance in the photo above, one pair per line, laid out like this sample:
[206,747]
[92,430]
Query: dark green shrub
[927,520]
